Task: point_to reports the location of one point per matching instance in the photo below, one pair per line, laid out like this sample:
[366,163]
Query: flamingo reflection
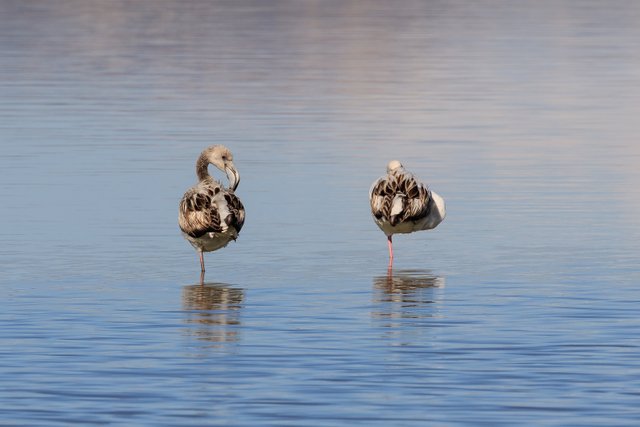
[213,311]
[407,298]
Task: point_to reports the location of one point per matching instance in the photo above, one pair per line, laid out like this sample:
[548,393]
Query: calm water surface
[521,308]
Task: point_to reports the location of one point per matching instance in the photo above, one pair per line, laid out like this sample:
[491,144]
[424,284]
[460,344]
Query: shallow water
[520,308]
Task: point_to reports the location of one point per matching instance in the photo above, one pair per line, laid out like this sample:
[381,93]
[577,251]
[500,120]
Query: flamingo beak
[233,176]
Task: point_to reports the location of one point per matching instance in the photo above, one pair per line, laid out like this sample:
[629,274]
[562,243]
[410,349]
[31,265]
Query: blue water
[519,309]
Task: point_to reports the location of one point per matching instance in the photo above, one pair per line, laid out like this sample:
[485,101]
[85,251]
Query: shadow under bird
[210,214]
[400,203]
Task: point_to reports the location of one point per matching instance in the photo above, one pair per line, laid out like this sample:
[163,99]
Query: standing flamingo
[210,214]
[400,203]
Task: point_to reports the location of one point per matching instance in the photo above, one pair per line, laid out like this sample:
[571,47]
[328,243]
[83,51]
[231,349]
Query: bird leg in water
[390,251]
[201,261]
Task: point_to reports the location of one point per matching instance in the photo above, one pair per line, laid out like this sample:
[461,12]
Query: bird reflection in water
[213,312]
[406,298]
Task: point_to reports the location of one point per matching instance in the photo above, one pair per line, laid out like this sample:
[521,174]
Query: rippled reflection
[212,311]
[406,298]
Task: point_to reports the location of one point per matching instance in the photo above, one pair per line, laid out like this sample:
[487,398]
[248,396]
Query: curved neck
[202,168]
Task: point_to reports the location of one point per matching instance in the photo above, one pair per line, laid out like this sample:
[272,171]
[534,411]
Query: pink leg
[201,261]
[390,251]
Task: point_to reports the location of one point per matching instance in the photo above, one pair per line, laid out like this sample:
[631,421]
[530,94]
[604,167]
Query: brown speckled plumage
[200,212]
[399,184]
